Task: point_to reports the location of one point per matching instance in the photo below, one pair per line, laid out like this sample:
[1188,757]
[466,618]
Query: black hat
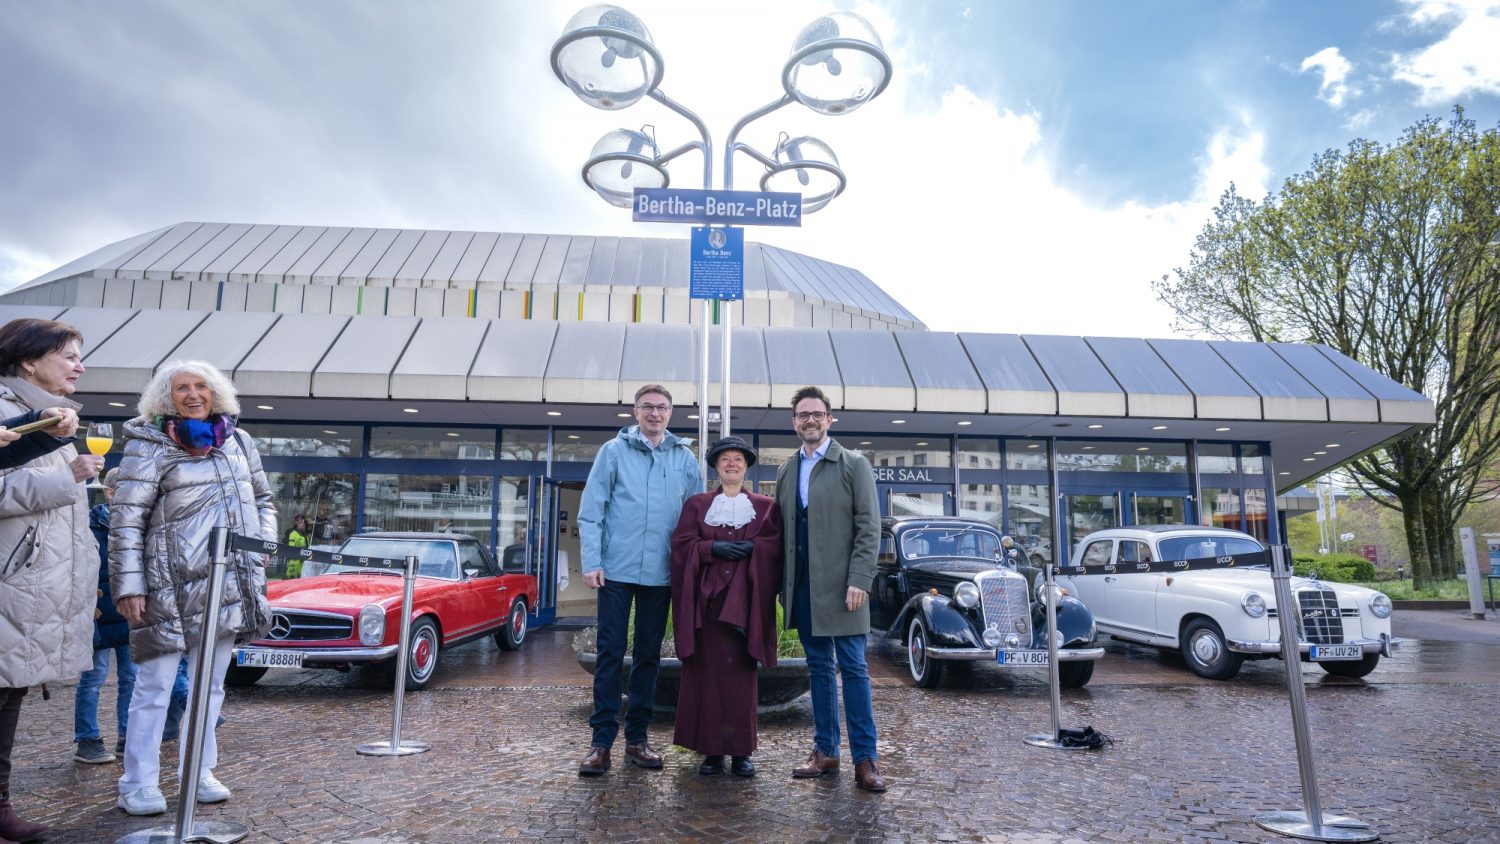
[731,443]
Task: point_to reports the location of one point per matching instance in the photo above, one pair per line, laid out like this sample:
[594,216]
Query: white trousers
[148,716]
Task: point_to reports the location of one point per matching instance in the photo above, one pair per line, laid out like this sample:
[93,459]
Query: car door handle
[501,588]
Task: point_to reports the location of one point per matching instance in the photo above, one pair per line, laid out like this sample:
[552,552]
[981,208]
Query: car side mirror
[468,573]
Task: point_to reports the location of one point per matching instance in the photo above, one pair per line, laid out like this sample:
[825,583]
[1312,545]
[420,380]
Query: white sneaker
[146,800]
[210,790]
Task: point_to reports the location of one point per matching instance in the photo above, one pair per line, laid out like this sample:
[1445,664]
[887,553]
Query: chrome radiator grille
[1319,616]
[1005,604]
[294,626]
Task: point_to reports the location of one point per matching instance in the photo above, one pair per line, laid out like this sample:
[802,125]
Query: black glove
[733,550]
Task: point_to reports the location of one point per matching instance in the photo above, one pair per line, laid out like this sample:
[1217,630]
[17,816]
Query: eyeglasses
[654,408]
[813,415]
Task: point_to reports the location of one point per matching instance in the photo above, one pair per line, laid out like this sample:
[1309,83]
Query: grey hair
[156,399]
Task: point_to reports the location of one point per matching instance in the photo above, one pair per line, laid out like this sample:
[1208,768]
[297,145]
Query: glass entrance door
[916,502]
[1158,509]
[1086,513]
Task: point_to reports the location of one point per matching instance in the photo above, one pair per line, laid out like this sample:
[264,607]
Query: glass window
[777,449]
[453,503]
[1097,553]
[1201,547]
[307,440]
[1252,460]
[979,501]
[1028,520]
[1216,459]
[433,443]
[887,552]
[979,454]
[1101,456]
[324,500]
[523,444]
[514,510]
[1220,507]
[1026,454]
[902,451]
[435,558]
[945,542]
[579,446]
[1255,514]
[1134,552]
[470,558]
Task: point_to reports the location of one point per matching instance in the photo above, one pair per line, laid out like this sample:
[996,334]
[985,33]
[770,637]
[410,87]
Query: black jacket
[111,630]
[30,446]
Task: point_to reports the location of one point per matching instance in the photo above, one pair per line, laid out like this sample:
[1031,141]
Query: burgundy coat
[749,586]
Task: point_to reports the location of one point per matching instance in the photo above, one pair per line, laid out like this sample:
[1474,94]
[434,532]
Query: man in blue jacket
[630,507]
[111,638]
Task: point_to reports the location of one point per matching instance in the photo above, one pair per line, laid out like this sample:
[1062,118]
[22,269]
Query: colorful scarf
[197,436]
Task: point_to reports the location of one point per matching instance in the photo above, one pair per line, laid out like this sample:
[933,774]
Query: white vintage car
[1220,617]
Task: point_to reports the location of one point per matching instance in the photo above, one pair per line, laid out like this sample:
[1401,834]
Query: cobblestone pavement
[1412,751]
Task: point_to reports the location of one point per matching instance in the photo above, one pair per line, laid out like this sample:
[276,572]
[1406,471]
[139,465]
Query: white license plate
[248,658]
[1006,657]
[1328,653]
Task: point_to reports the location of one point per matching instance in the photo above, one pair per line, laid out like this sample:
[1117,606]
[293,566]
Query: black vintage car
[949,590]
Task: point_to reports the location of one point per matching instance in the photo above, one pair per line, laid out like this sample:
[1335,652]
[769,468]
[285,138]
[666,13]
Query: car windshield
[971,541]
[435,557]
[1198,547]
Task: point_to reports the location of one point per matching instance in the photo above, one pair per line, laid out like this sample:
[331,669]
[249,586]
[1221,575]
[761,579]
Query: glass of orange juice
[99,440]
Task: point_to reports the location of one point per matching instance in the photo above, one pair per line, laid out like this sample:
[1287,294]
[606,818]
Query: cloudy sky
[1032,167]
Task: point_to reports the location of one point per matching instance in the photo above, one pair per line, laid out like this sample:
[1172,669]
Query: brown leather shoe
[817,765]
[867,776]
[596,763]
[642,755]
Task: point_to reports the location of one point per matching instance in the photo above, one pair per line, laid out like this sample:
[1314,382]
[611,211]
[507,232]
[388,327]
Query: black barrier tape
[1259,558]
[292,552]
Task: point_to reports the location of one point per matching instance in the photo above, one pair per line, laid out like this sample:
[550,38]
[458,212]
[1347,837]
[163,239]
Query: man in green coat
[832,518]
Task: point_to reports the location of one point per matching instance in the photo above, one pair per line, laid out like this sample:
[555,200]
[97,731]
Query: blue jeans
[86,699]
[859,709]
[651,606]
[178,702]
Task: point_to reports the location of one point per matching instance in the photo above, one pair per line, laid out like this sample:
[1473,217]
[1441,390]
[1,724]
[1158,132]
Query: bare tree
[1385,253]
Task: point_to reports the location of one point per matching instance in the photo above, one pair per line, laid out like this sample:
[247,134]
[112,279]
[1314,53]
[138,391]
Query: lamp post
[607,58]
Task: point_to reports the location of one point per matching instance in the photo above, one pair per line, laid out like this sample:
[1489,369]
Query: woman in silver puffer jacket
[185,471]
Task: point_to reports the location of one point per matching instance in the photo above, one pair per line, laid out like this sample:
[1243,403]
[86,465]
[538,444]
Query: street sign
[1371,553]
[717,207]
[716,267]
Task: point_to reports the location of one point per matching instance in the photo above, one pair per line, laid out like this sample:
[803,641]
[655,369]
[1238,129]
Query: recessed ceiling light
[1221,430]
[898,421]
[331,433]
[864,442]
[1088,448]
[265,407]
[117,404]
[1096,426]
[410,410]
[1144,448]
[1158,427]
[554,413]
[1034,445]
[1331,445]
[692,416]
[1308,459]
[964,422]
[452,434]
[1320,453]
[627,416]
[572,436]
[1283,473]
[921,444]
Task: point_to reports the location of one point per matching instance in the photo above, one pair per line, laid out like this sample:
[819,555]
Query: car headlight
[992,637]
[1253,604]
[371,624]
[1380,605]
[1057,591]
[967,595]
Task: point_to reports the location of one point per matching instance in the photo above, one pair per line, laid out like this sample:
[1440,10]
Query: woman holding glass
[186,470]
[47,553]
[726,572]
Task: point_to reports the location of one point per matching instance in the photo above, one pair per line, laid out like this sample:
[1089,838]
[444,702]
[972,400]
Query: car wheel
[237,677]
[421,656]
[513,634]
[1352,668]
[1206,653]
[1075,675]
[925,671]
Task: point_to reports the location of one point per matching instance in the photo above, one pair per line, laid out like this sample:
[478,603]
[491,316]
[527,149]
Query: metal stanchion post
[1311,824]
[1054,740]
[186,828]
[397,747]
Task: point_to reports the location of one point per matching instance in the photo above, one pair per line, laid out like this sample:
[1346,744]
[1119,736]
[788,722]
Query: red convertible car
[346,615]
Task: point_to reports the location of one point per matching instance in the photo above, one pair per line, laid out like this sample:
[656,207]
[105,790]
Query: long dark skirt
[716,704]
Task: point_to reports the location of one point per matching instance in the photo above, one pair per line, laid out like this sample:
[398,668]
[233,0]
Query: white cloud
[1335,69]
[1465,61]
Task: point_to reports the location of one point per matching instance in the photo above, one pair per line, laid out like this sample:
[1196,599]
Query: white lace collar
[733,512]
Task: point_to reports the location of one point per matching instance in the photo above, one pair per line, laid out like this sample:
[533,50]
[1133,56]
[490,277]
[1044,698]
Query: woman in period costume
[726,572]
